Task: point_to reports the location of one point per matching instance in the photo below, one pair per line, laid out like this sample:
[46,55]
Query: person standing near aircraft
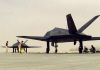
[20,45]
[7,47]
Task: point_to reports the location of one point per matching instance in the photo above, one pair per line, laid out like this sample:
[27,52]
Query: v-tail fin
[87,24]
[71,25]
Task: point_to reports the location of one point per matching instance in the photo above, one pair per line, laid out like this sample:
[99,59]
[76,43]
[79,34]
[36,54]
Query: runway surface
[43,61]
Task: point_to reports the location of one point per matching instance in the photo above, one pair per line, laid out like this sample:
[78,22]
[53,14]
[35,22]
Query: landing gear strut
[13,49]
[47,50]
[81,46]
[18,50]
[56,48]
[26,50]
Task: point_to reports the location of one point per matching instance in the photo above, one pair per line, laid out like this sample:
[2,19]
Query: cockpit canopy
[56,32]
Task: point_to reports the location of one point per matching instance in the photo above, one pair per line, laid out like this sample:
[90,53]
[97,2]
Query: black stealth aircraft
[58,35]
[24,46]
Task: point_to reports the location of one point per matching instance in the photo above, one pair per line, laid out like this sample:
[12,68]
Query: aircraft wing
[95,38]
[71,40]
[34,37]
[31,46]
[8,46]
[22,47]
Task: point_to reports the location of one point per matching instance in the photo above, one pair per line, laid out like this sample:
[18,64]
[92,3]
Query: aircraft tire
[47,50]
[80,49]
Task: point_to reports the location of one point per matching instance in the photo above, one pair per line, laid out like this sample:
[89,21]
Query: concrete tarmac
[43,61]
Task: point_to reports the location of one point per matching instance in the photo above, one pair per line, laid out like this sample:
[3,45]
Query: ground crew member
[85,49]
[7,47]
[92,49]
[20,45]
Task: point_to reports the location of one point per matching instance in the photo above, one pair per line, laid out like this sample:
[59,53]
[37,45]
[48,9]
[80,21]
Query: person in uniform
[20,45]
[92,49]
[85,49]
[7,47]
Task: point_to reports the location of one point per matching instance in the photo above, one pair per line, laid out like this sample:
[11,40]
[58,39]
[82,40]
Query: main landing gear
[48,49]
[56,48]
[14,50]
[26,50]
[81,46]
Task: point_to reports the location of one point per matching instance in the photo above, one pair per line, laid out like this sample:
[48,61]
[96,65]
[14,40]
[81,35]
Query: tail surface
[87,24]
[25,41]
[71,25]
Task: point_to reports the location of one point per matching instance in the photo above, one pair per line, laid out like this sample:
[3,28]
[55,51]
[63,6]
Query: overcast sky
[36,17]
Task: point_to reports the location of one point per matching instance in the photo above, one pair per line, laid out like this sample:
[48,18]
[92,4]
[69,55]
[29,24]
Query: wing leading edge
[95,38]
[34,37]
[33,46]
[22,47]
[9,46]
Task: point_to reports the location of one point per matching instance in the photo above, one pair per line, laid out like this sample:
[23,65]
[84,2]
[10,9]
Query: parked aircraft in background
[59,35]
[24,47]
